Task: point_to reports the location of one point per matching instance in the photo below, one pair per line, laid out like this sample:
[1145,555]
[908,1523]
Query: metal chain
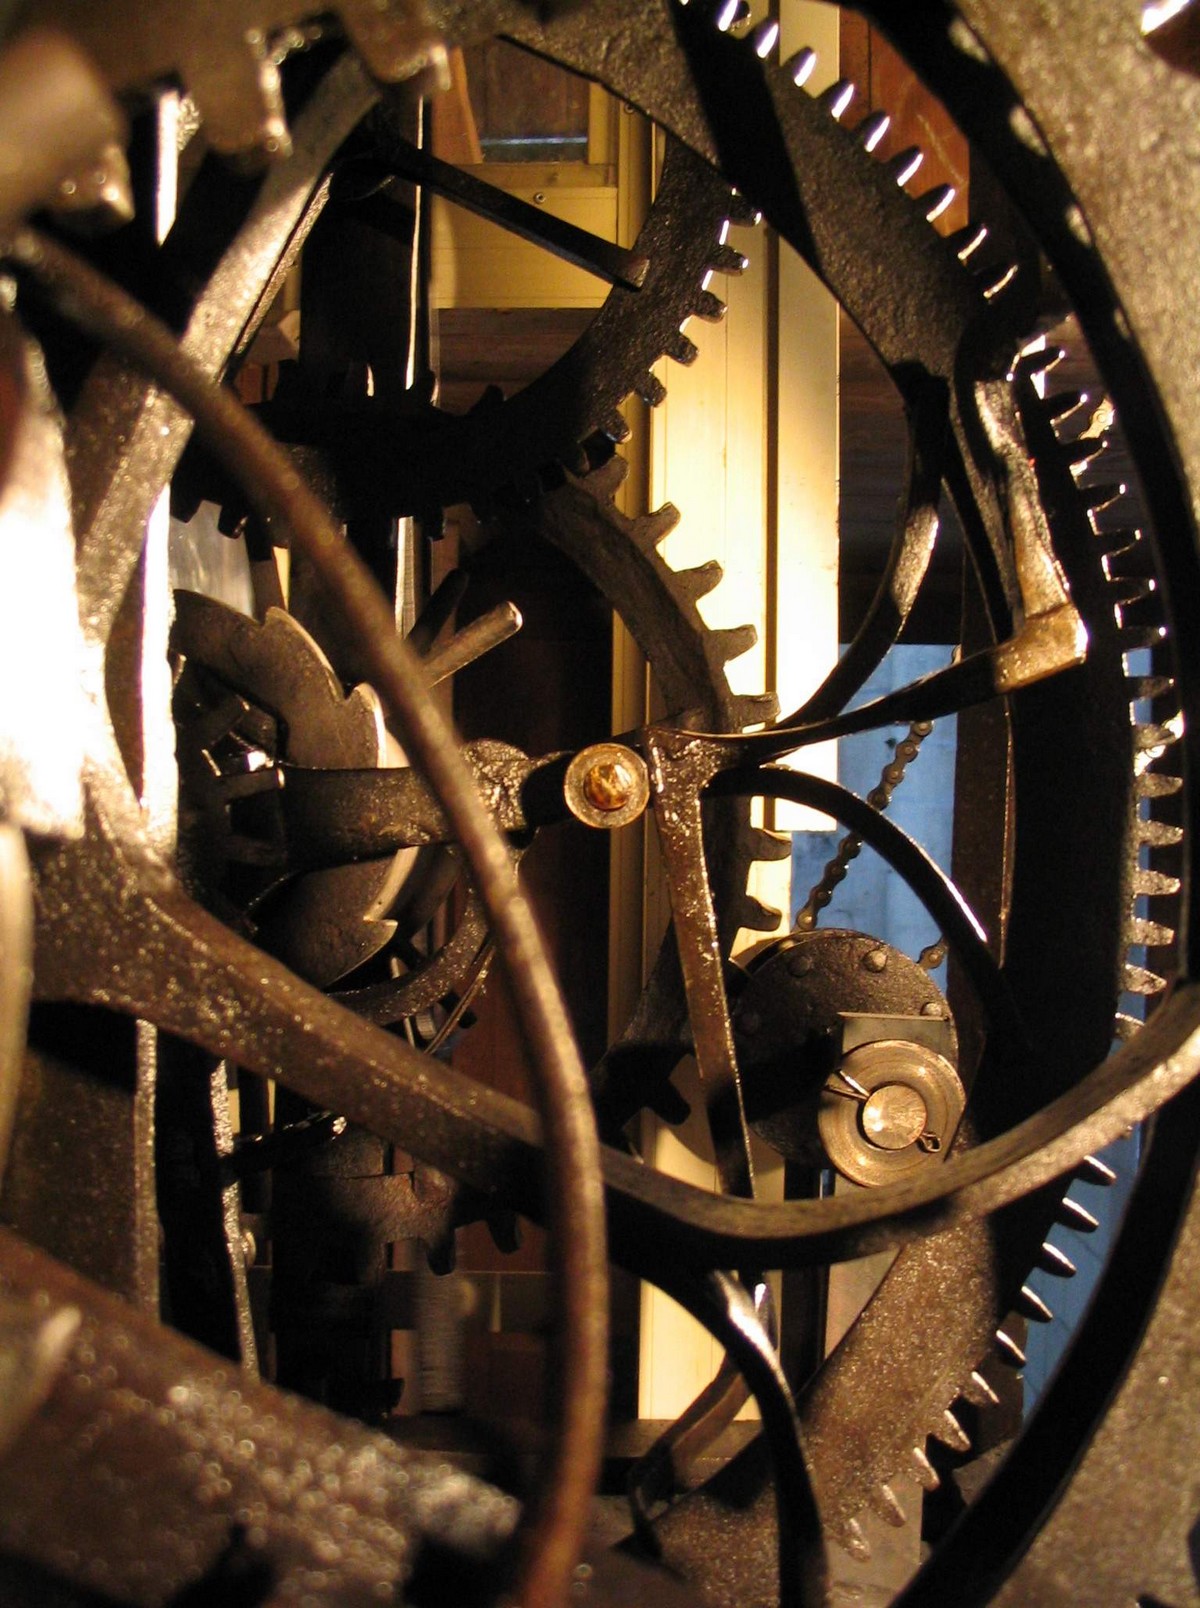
[849,848]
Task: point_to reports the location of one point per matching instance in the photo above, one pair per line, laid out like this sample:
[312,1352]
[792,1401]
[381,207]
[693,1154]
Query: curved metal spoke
[1046,646]
[946,906]
[907,562]
[725,1307]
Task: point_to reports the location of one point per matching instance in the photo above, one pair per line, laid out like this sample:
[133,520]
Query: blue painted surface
[871,899]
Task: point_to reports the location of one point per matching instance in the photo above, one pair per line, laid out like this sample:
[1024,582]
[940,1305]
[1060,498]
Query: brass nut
[606,785]
[609,785]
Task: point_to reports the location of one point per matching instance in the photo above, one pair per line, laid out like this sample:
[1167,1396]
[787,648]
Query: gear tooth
[505,1229]
[886,1504]
[575,459]
[1154,884]
[852,1538]
[1125,1027]
[1135,608]
[1051,1260]
[1102,495]
[992,281]
[232,128]
[799,67]
[1030,1305]
[1030,364]
[1139,980]
[1158,834]
[770,845]
[951,1433]
[709,307]
[764,39]
[700,581]
[233,520]
[1133,638]
[978,1392]
[1117,543]
[732,641]
[724,259]
[923,1470]
[605,481]
[654,528]
[682,350]
[1072,1215]
[872,129]
[759,917]
[615,427]
[442,1254]
[934,202]
[904,165]
[1008,1350]
[1150,736]
[1149,934]
[836,99]
[756,709]
[651,389]
[488,400]
[1091,1170]
[1077,454]
[1157,784]
[1063,403]
[1148,687]
[742,211]
[966,242]
[600,451]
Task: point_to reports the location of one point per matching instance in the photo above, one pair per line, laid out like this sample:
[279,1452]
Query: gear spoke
[681,839]
[958,1114]
[906,567]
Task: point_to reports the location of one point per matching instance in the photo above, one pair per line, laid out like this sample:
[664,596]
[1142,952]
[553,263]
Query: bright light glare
[844,96]
[1160,12]
[880,129]
[974,243]
[803,70]
[766,44]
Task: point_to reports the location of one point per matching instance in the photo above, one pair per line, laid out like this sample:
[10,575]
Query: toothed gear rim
[1117,826]
[425,458]
[938,315]
[1110,33]
[563,415]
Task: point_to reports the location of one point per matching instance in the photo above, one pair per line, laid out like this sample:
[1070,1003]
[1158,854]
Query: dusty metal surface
[115,927]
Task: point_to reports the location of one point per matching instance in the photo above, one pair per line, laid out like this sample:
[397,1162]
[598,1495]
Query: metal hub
[606,785]
[893,1117]
[811,1026]
[889,1108]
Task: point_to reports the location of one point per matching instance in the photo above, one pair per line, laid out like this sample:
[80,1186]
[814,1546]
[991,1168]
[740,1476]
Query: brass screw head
[608,785]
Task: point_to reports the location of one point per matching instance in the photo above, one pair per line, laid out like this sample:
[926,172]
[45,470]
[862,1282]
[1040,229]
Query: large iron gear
[1049,139]
[417,458]
[886,305]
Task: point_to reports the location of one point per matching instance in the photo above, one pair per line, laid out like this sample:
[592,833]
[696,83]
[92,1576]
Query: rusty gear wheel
[1039,1107]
